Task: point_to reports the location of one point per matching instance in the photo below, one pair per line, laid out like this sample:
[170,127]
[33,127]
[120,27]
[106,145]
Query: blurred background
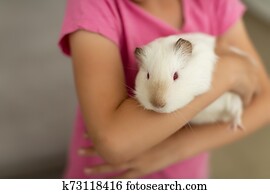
[38,100]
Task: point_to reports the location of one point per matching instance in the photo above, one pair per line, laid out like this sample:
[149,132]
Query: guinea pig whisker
[132,68]
[130,88]
[187,122]
[184,118]
[190,127]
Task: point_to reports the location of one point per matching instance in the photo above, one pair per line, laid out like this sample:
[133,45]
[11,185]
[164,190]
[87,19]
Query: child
[122,139]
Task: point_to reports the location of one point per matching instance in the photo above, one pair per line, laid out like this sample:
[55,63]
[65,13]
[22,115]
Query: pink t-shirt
[129,26]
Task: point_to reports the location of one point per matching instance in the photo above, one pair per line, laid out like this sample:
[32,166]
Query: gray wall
[37,100]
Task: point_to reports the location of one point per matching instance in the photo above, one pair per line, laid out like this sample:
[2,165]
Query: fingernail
[88,170]
[81,152]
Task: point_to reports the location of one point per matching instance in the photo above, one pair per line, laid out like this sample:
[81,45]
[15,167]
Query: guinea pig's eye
[175,76]
[148,76]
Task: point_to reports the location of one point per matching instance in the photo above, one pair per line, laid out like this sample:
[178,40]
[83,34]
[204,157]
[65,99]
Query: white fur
[160,60]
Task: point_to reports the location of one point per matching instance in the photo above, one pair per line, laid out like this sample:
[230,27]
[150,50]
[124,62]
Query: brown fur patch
[157,92]
[185,45]
[138,54]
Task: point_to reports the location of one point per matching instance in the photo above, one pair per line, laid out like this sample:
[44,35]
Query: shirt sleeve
[98,16]
[225,14]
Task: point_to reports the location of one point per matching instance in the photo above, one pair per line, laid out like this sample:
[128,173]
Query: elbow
[112,149]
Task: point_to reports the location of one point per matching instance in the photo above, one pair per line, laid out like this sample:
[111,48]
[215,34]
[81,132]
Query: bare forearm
[188,142]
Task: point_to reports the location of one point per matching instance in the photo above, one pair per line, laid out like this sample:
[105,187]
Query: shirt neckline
[161,22]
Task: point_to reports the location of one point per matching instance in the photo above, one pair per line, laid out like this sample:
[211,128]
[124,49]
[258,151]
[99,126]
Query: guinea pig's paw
[237,125]
[236,111]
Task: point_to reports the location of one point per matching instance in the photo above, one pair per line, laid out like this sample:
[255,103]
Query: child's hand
[101,168]
[241,73]
[145,164]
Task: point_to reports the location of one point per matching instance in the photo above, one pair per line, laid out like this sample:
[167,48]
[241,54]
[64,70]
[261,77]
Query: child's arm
[119,127]
[187,142]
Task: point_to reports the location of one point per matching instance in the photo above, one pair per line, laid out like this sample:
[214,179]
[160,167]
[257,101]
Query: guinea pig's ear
[139,52]
[184,45]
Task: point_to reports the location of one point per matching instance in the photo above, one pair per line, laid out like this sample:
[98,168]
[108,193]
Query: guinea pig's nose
[158,103]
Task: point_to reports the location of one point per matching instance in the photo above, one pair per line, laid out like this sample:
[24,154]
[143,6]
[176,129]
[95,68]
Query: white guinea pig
[174,70]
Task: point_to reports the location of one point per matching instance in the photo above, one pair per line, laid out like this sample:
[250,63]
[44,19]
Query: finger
[131,174]
[105,168]
[90,151]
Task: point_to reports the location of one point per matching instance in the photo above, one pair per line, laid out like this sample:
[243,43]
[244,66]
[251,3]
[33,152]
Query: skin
[118,123]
